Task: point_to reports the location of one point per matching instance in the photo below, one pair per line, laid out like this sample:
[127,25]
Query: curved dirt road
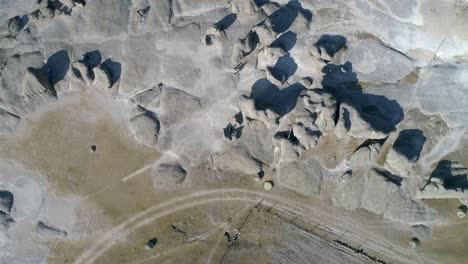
[333,223]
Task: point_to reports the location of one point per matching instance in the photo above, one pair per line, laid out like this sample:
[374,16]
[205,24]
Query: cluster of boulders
[311,118]
[91,70]
[287,116]
[375,174]
[234,128]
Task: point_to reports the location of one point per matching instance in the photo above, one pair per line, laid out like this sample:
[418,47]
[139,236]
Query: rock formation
[356,108]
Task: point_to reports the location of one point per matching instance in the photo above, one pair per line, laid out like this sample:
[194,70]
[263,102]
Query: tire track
[147,216]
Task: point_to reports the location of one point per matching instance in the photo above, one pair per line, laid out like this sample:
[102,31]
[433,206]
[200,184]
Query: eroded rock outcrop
[315,108]
[304,177]
[237,160]
[405,151]
[93,71]
[145,128]
[448,180]
[380,194]
[25,89]
[167,176]
[350,123]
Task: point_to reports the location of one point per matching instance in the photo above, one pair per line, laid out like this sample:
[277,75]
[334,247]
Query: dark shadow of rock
[144,12]
[24,20]
[113,69]
[225,22]
[208,40]
[17,23]
[339,79]
[5,219]
[239,117]
[284,68]
[368,142]
[260,3]
[231,132]
[306,13]
[228,131]
[381,113]
[286,41]
[331,43]
[443,170]
[43,78]
[153,116]
[57,66]
[263,93]
[81,2]
[49,230]
[52,72]
[410,143]
[454,176]
[59,6]
[251,42]
[289,135]
[314,133]
[92,59]
[267,96]
[6,200]
[389,176]
[347,119]
[283,18]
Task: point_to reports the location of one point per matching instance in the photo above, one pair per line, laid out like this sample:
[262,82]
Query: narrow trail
[101,249]
[333,223]
[128,177]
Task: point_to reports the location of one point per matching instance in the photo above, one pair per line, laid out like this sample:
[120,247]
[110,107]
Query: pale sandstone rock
[237,160]
[305,177]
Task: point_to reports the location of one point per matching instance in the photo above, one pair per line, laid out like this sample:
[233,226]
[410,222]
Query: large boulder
[167,176]
[351,123]
[366,154]
[237,159]
[379,192]
[304,177]
[256,138]
[422,232]
[145,128]
[25,84]
[405,151]
[375,62]
[301,129]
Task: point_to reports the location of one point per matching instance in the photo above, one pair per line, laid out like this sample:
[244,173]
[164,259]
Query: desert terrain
[240,131]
